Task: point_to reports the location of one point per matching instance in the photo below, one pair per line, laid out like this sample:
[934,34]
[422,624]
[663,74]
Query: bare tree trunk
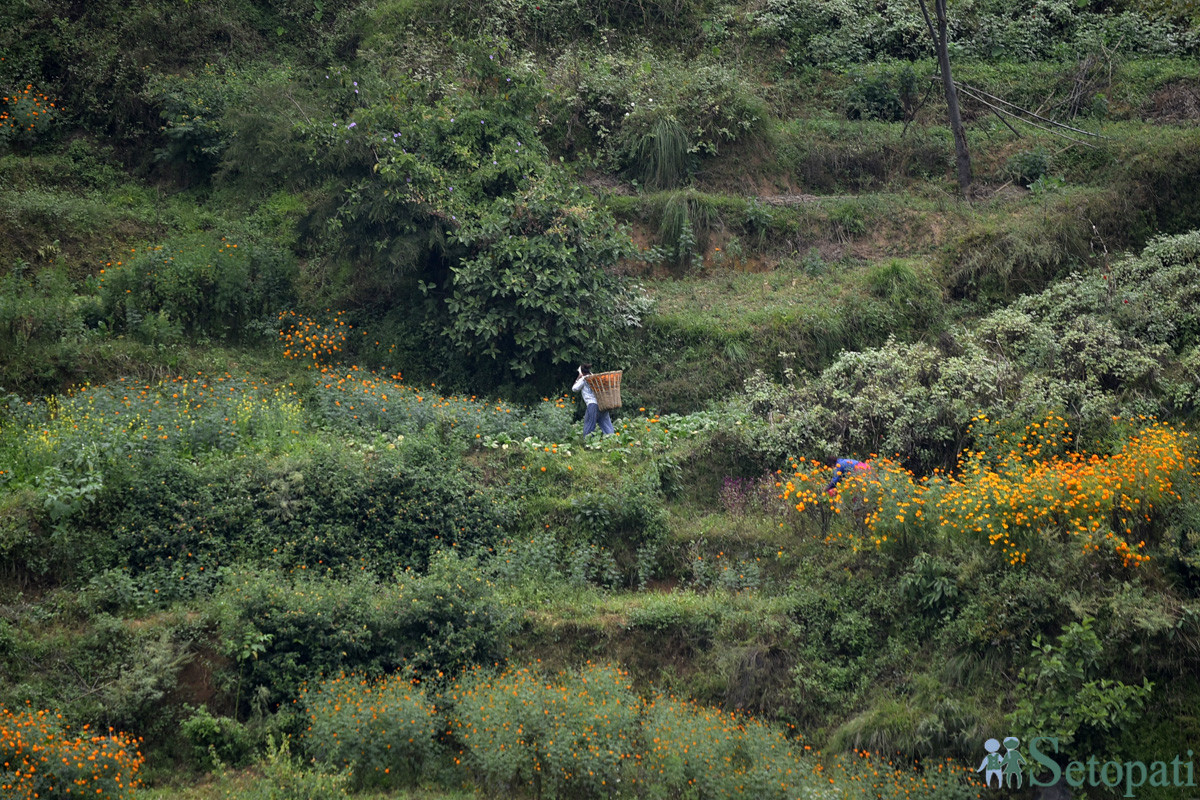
[941,45]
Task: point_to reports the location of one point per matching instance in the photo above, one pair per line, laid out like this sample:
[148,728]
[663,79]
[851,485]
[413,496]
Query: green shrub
[883,94]
[200,284]
[1027,166]
[382,731]
[286,629]
[535,289]
[284,777]
[683,110]
[135,671]
[1064,693]
[44,328]
[837,33]
[630,523]
[222,738]
[906,399]
[392,191]
[573,735]
[703,752]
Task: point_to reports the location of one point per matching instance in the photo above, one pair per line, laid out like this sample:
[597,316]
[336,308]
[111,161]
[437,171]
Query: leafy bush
[394,190]
[200,284]
[1093,345]
[1063,694]
[906,399]
[27,116]
[535,288]
[1027,166]
[883,94]
[286,778]
[630,523]
[382,731]
[43,326]
[111,476]
[840,32]
[285,630]
[222,738]
[691,750]
[571,736]
[681,112]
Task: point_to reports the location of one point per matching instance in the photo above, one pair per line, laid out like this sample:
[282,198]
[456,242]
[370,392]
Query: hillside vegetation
[293,497]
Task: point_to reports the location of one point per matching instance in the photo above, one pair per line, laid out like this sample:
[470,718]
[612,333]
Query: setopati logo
[1012,769]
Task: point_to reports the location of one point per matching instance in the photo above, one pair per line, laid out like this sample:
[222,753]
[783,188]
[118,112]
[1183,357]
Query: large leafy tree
[453,193]
[535,288]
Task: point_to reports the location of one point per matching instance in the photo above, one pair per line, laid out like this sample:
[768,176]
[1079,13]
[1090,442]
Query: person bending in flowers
[592,416]
[840,467]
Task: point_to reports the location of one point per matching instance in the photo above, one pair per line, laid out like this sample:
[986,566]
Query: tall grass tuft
[685,219]
[662,155]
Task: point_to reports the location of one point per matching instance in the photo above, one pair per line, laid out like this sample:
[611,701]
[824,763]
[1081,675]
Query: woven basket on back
[607,388]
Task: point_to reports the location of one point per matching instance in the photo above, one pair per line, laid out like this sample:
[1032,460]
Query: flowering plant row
[40,756]
[585,733]
[1017,490]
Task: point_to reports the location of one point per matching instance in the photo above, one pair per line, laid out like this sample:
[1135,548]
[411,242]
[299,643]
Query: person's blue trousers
[594,415]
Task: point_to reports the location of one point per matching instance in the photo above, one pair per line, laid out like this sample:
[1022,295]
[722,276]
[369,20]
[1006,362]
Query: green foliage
[1092,345]
[98,670]
[1027,166]
[382,732]
[883,94]
[215,737]
[908,399]
[301,626]
[379,512]
[663,155]
[930,584]
[535,289]
[694,751]
[100,59]
[573,737]
[629,522]
[217,117]
[200,285]
[839,642]
[1064,692]
[913,298]
[393,188]
[840,32]
[286,778]
[43,327]
[700,107]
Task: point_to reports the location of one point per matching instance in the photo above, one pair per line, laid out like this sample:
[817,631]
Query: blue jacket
[844,465]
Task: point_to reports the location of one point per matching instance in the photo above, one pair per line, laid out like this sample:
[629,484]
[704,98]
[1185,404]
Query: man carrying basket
[593,414]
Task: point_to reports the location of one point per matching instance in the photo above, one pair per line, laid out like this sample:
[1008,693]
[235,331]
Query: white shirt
[581,385]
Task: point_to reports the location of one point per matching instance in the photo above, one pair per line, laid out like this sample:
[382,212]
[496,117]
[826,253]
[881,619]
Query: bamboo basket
[607,388]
